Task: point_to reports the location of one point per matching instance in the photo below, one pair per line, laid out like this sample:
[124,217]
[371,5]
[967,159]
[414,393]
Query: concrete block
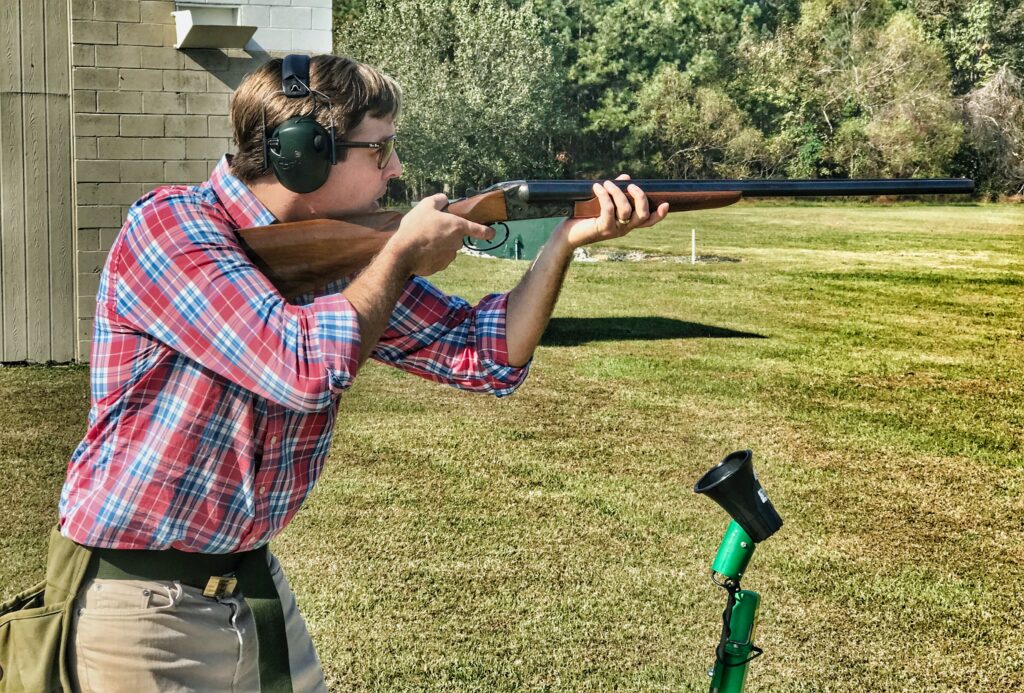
[94,78]
[184,80]
[254,15]
[220,126]
[82,9]
[164,148]
[88,239]
[322,19]
[85,147]
[210,104]
[88,285]
[290,17]
[117,56]
[205,59]
[118,147]
[85,101]
[273,39]
[157,12]
[160,57]
[218,83]
[97,171]
[141,80]
[313,3]
[156,102]
[186,126]
[117,10]
[85,325]
[205,147]
[86,304]
[312,41]
[95,217]
[119,102]
[188,172]
[142,126]
[95,124]
[93,32]
[142,172]
[107,236]
[144,34]
[228,80]
[83,55]
[91,261]
[108,193]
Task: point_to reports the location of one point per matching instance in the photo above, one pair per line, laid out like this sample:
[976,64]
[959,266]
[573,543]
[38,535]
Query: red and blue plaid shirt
[213,399]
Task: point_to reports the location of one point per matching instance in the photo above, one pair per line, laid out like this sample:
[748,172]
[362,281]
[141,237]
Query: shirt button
[263,490]
[273,440]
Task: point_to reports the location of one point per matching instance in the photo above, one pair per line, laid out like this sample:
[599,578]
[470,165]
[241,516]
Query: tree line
[497,89]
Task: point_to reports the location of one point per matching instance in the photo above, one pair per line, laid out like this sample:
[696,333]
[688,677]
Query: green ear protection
[300,151]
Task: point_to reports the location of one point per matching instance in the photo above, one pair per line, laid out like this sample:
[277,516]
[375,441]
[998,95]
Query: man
[214,400]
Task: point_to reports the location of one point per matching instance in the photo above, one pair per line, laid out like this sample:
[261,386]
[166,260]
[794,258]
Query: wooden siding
[37,272]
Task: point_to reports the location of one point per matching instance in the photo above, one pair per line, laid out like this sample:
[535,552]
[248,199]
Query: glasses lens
[386,150]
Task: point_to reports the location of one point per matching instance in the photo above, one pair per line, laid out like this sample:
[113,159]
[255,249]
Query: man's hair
[354,89]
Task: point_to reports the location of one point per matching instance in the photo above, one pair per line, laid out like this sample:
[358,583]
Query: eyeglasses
[385,148]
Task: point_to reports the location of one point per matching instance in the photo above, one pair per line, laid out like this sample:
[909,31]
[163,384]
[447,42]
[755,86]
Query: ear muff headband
[300,151]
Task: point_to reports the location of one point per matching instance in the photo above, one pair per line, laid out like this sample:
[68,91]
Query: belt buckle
[220,586]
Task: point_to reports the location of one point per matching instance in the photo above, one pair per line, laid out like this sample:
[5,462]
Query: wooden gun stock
[302,256]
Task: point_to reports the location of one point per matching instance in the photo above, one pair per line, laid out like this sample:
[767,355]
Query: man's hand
[428,239]
[619,215]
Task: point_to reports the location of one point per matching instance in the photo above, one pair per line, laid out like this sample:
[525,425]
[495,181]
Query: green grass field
[873,359]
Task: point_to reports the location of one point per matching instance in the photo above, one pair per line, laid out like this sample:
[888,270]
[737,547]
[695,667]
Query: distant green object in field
[525,238]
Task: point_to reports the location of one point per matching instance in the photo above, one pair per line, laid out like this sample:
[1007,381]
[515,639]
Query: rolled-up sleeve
[180,277]
[445,339]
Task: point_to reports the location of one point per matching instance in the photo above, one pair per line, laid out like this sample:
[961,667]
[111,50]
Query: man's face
[355,184]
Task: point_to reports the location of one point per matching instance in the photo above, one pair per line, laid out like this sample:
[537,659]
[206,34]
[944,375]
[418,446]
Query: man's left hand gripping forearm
[530,303]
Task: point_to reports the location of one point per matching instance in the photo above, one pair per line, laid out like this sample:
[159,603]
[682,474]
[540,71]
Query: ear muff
[300,151]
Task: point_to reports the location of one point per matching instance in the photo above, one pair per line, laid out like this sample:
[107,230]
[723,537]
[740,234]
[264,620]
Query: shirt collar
[242,206]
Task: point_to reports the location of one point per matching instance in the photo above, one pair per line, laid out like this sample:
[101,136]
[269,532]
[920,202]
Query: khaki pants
[138,636]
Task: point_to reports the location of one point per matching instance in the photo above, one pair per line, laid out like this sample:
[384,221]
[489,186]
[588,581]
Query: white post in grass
[693,246]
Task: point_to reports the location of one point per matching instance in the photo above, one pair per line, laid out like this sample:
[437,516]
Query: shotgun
[302,256]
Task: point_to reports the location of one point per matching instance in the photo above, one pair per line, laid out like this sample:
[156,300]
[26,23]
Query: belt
[218,575]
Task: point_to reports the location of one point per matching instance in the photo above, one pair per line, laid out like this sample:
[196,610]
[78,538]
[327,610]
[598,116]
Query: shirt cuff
[492,345]
[337,326]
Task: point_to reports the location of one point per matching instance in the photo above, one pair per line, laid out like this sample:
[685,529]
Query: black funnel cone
[732,484]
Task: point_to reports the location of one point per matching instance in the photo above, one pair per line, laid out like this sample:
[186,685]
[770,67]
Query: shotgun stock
[303,256]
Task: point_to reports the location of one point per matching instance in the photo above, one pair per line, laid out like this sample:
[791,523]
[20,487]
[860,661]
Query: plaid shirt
[214,400]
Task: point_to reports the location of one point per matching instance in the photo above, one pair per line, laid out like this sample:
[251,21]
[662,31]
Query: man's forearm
[530,303]
[373,295]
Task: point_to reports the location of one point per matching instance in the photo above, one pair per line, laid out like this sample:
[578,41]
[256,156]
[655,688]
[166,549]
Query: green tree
[622,46]
[699,132]
[483,94]
[978,36]
[854,88]
[995,131]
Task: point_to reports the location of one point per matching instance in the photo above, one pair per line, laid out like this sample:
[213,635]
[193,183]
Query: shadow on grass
[576,331]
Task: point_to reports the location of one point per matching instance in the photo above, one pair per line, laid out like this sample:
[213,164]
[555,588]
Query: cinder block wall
[145,114]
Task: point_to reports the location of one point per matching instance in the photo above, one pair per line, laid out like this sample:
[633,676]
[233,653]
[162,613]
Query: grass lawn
[873,359]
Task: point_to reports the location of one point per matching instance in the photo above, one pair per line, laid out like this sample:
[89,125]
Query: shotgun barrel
[542,191]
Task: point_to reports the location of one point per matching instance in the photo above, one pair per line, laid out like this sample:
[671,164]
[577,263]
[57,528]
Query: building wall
[147,114]
[37,319]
